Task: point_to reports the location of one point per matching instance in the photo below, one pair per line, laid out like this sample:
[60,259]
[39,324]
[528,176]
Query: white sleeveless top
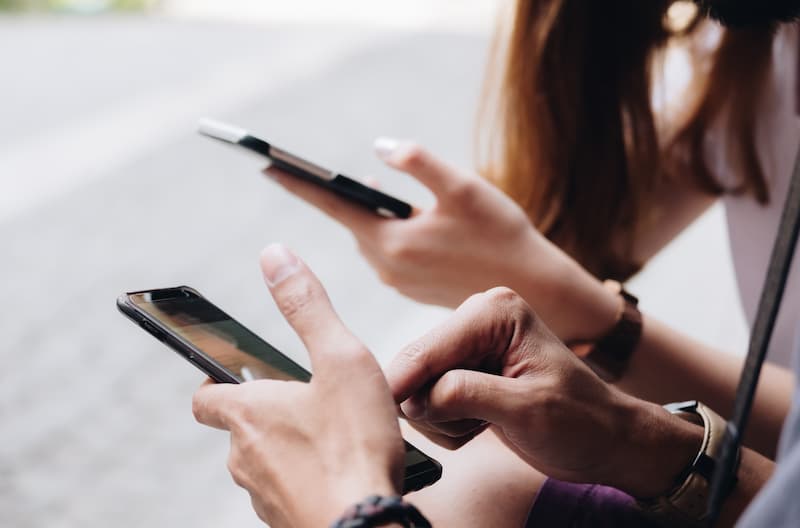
[752,227]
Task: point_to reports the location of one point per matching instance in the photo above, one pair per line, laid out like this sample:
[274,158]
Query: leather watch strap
[609,356]
[686,504]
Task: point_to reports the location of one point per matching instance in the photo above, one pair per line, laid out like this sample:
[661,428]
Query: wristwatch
[609,356]
[687,503]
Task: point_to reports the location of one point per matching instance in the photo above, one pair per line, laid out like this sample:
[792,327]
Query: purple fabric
[566,505]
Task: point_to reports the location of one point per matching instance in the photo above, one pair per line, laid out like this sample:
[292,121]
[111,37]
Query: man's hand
[305,452]
[495,362]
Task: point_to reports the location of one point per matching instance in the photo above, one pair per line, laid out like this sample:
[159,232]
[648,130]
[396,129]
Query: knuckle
[548,403]
[398,249]
[198,407]
[239,414]
[235,468]
[247,444]
[352,350]
[296,300]
[390,277]
[476,300]
[502,296]
[413,354]
[466,192]
[495,302]
[509,302]
[453,389]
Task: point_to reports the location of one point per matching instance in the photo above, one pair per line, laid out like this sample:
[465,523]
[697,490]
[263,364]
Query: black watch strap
[376,510]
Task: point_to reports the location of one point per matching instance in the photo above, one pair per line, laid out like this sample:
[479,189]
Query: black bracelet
[379,511]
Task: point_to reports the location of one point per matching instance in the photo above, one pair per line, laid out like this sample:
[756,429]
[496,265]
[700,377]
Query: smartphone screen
[214,333]
[227,351]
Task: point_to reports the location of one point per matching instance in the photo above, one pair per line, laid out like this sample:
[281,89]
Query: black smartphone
[349,189]
[228,352]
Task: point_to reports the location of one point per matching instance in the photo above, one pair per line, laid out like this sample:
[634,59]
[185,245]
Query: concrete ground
[106,188]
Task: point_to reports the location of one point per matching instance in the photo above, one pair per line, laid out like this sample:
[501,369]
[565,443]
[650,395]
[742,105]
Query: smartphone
[228,352]
[349,189]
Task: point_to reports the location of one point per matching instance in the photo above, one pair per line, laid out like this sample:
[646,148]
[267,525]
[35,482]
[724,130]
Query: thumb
[304,303]
[465,395]
[410,158]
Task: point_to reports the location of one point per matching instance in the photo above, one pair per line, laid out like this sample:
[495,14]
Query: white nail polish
[385,147]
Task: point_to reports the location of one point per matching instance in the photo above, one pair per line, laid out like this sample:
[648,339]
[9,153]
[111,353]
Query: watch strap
[687,503]
[377,510]
[609,356]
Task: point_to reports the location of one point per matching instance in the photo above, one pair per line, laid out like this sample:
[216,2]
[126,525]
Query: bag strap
[771,296]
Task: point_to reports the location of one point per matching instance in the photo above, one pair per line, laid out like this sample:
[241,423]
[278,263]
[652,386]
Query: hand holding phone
[308,451]
[339,184]
[346,389]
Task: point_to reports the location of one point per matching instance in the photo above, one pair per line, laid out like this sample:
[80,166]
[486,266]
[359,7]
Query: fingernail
[278,264]
[385,147]
[369,181]
[414,409]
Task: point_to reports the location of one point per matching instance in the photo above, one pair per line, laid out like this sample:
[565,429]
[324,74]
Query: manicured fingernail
[385,147]
[370,181]
[278,264]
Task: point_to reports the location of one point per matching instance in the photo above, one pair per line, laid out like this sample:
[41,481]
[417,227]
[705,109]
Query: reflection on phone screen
[231,345]
[210,330]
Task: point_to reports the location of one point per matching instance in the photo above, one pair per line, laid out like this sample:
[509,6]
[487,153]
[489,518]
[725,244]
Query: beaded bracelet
[379,511]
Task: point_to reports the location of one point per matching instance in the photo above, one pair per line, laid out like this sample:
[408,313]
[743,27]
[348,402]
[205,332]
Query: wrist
[348,492]
[597,307]
[378,510]
[574,304]
[659,448]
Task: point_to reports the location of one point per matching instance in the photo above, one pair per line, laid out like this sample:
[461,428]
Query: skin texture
[472,239]
[494,364]
[475,238]
[305,452]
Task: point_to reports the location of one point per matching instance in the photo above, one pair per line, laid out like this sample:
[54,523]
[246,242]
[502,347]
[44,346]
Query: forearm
[754,471]
[570,300]
[660,448]
[668,366]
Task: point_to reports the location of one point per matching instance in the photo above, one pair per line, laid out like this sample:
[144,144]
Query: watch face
[688,503]
[689,406]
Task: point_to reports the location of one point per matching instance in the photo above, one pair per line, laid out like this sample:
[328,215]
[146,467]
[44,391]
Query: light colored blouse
[752,227]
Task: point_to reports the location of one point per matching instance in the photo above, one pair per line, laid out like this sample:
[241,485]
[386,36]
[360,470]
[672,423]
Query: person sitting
[605,191]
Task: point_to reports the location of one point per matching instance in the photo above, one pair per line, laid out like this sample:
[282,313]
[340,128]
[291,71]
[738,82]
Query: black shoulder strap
[777,273]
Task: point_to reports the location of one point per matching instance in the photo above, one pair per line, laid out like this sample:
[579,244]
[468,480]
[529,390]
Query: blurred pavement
[106,188]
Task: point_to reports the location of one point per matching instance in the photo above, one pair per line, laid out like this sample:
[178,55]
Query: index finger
[210,403]
[475,337]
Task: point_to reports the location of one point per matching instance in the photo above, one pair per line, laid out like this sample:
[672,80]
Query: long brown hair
[575,140]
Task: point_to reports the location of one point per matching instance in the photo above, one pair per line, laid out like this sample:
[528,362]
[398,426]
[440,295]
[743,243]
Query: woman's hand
[305,452]
[495,362]
[473,238]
